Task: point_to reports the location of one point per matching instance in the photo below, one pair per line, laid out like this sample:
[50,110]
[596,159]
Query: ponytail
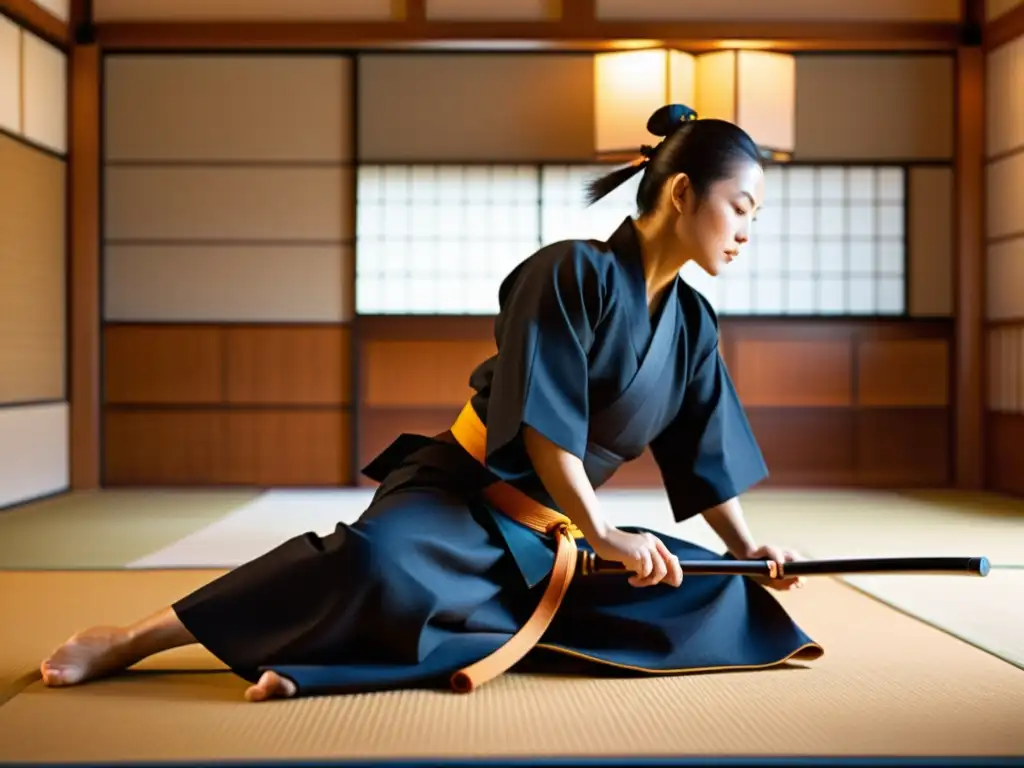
[705,150]
[605,185]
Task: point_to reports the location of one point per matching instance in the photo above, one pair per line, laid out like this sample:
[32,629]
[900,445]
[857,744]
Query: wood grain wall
[1005,252]
[832,402]
[208,404]
[230,339]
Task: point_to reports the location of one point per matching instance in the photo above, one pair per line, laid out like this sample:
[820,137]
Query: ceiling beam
[1005,29]
[37,20]
[577,29]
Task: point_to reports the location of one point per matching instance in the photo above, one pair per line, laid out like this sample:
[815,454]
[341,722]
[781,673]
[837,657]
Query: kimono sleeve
[708,454]
[544,333]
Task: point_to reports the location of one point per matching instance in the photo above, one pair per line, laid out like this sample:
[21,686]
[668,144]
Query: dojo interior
[245,245]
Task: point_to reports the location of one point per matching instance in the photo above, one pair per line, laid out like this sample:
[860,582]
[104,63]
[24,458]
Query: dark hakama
[432,578]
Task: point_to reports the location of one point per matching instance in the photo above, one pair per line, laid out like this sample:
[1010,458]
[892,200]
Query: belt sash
[471,433]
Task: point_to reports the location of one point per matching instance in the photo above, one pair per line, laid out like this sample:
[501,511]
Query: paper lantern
[752,88]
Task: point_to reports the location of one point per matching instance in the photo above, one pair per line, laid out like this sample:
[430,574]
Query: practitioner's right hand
[643,553]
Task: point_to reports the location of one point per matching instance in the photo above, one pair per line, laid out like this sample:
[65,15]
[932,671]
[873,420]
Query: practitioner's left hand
[780,557]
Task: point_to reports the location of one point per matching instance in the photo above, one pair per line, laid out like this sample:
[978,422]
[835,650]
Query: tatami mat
[107,529]
[887,685]
[820,524]
[41,609]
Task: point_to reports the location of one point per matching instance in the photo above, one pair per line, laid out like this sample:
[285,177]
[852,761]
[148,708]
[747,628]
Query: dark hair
[705,150]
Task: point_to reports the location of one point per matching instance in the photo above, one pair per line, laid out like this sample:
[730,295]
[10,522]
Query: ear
[680,190]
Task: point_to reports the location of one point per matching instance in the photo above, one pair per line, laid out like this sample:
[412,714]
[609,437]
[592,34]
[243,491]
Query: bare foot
[270,686]
[87,655]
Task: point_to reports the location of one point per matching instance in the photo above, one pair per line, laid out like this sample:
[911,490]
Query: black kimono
[433,578]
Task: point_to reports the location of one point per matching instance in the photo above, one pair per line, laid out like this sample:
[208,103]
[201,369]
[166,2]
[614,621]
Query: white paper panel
[493,108]
[781,10]
[996,8]
[1004,96]
[236,10]
[490,10]
[874,107]
[46,95]
[438,240]
[33,452]
[1004,199]
[183,203]
[10,76]
[1005,274]
[243,107]
[227,284]
[59,8]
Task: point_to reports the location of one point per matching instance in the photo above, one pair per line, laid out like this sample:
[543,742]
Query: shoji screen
[1005,267]
[33,142]
[228,235]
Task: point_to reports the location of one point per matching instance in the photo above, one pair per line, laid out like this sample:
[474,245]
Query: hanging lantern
[752,88]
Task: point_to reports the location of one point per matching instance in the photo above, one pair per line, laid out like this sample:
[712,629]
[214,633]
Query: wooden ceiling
[840,25]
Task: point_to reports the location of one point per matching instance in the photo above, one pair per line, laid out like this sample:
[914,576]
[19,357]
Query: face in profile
[720,226]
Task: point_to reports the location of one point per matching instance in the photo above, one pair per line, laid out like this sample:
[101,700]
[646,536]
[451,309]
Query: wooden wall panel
[378,427]
[227,405]
[251,10]
[794,373]
[1005,432]
[442,370]
[904,372]
[807,446]
[157,364]
[282,365]
[276,448]
[831,402]
[782,10]
[898,448]
[163,448]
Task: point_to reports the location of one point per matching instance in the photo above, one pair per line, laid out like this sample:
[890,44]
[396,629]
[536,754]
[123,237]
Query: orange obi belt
[469,432]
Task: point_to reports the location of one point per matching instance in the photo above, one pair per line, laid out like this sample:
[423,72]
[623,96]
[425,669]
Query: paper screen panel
[1004,95]
[228,107]
[876,108]
[1004,196]
[439,239]
[33,452]
[491,108]
[1005,280]
[45,96]
[32,276]
[223,203]
[10,76]
[250,283]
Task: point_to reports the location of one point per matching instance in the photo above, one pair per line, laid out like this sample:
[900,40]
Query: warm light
[754,89]
[629,86]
